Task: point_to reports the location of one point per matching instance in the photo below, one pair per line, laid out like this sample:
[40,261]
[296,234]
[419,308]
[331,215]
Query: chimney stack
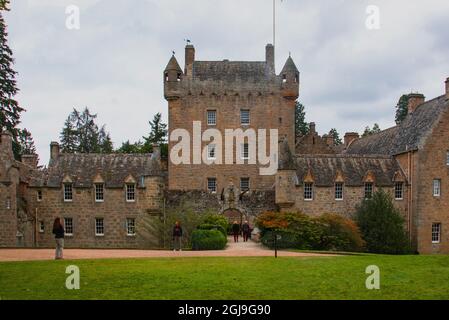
[30,160]
[54,151]
[350,137]
[447,89]
[312,127]
[329,140]
[190,59]
[269,58]
[6,142]
[414,101]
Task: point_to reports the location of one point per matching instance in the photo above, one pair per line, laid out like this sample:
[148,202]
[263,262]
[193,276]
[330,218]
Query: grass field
[343,277]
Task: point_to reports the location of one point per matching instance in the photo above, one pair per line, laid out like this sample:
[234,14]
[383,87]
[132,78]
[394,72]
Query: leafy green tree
[158,133]
[382,225]
[369,132]
[337,140]
[81,134]
[10,110]
[402,109]
[131,148]
[301,126]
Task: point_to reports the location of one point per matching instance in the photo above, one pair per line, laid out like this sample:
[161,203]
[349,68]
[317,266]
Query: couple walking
[245,230]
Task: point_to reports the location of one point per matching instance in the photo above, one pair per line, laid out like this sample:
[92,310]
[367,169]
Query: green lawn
[343,277]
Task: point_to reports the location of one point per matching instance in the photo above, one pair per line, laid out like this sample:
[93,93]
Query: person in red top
[177,237]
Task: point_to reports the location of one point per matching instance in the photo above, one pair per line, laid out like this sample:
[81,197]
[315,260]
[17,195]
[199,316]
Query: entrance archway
[234,215]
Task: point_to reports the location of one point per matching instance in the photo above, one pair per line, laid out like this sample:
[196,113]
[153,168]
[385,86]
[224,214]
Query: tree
[382,225]
[158,133]
[334,134]
[301,126]
[81,134]
[131,148]
[26,143]
[9,107]
[369,132]
[402,109]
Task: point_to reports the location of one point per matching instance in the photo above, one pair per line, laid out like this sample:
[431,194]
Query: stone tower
[228,95]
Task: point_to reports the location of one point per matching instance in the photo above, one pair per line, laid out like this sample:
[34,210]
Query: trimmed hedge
[206,226]
[208,240]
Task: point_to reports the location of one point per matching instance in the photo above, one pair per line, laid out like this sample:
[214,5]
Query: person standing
[236,231]
[246,231]
[58,231]
[177,237]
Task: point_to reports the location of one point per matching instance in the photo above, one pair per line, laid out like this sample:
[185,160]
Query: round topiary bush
[208,240]
[207,226]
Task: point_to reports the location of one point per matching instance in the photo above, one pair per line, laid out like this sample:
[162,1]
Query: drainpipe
[410,195]
[36,222]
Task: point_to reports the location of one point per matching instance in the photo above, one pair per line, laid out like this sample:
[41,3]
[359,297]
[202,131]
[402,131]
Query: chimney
[269,57]
[312,127]
[350,137]
[6,142]
[329,140]
[156,152]
[190,59]
[447,89]
[414,101]
[54,151]
[30,160]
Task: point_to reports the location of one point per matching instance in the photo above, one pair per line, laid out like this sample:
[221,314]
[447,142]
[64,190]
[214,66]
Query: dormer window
[68,192]
[130,193]
[339,191]
[99,192]
[308,191]
[369,188]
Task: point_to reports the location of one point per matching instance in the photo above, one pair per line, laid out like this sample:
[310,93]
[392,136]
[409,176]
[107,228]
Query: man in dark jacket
[236,231]
[177,237]
[246,231]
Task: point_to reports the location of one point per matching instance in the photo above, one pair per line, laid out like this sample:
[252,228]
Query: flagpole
[274,23]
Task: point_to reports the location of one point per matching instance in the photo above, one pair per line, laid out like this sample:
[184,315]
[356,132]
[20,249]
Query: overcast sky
[351,76]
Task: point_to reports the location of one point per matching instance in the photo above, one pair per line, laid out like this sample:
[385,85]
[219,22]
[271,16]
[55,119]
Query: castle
[105,200]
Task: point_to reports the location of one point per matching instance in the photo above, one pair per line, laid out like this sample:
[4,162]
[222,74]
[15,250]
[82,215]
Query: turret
[172,77]
[290,80]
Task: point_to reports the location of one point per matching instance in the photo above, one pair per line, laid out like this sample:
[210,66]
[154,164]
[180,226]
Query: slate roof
[230,70]
[409,135]
[83,169]
[173,65]
[290,66]
[354,169]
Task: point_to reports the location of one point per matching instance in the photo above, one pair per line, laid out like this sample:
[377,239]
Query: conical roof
[289,66]
[173,65]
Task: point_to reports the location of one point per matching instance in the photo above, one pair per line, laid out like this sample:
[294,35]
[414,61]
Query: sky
[352,75]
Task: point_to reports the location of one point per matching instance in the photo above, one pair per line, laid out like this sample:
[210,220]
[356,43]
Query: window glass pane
[244,184]
[399,191]
[308,191]
[436,232]
[339,191]
[68,194]
[368,190]
[436,188]
[211,154]
[99,192]
[211,117]
[99,226]
[245,117]
[130,192]
[68,226]
[245,151]
[131,227]
[212,185]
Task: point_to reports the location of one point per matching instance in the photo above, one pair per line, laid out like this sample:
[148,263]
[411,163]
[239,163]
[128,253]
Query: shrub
[340,233]
[217,220]
[382,225]
[300,231]
[208,240]
[206,226]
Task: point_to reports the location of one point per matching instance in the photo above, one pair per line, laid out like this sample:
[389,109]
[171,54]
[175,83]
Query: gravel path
[241,249]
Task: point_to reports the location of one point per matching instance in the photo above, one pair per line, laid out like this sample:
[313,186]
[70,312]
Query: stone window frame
[339,191]
[130,194]
[41,226]
[245,120]
[368,190]
[436,188]
[131,226]
[98,192]
[99,227]
[212,149]
[214,118]
[68,227]
[243,181]
[436,232]
[399,191]
[308,191]
[211,180]
[39,196]
[68,191]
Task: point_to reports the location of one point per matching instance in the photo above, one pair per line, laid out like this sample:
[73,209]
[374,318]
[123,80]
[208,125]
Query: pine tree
[402,109]
[369,132]
[158,133]
[337,140]
[301,126]
[69,137]
[9,108]
[26,143]
[105,141]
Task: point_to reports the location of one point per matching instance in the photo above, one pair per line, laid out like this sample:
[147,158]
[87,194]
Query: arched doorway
[234,215]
